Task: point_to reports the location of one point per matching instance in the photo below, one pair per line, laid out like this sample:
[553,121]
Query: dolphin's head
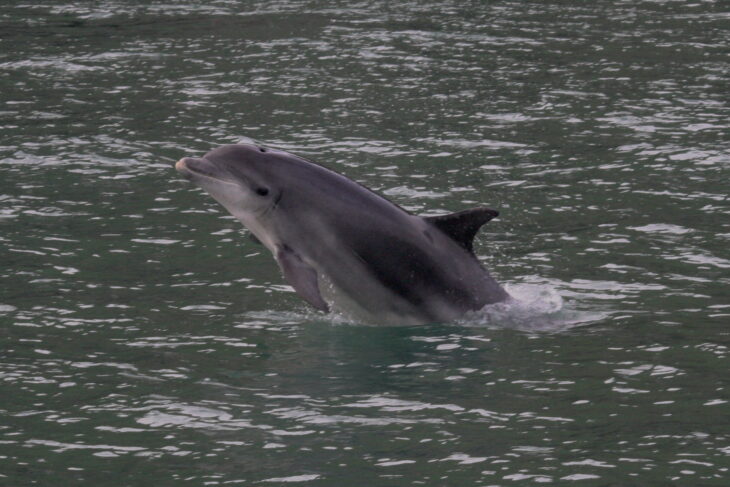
[238,176]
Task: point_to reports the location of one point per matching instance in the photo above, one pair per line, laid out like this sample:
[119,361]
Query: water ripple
[139,327]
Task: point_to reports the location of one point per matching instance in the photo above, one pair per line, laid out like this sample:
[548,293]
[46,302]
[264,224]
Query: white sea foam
[535,307]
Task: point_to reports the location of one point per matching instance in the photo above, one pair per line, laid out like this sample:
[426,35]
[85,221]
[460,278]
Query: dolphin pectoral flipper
[302,277]
[462,226]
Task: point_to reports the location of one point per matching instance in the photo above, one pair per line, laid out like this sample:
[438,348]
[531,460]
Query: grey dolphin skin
[339,244]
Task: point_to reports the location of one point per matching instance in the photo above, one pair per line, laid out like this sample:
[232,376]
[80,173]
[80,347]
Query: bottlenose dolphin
[339,244]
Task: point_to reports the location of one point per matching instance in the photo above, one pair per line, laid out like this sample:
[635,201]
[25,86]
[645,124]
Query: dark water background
[144,340]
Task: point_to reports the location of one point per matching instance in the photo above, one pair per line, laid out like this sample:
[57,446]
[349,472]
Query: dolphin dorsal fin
[462,226]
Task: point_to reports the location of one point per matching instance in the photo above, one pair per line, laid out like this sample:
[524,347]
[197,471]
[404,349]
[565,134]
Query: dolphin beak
[182,168]
[192,166]
[201,169]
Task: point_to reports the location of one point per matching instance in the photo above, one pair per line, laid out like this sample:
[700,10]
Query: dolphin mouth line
[188,172]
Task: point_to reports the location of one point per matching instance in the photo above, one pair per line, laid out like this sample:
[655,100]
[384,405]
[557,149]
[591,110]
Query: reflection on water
[143,336]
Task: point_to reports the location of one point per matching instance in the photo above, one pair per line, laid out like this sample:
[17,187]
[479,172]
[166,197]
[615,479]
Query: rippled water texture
[145,340]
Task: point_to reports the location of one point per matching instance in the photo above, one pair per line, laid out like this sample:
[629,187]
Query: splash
[535,308]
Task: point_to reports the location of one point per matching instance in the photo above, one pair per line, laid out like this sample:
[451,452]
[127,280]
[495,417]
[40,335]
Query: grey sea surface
[145,340]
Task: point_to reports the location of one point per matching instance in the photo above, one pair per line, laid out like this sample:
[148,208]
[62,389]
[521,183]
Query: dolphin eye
[262,191]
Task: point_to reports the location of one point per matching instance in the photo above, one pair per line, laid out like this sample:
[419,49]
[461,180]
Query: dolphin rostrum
[339,244]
